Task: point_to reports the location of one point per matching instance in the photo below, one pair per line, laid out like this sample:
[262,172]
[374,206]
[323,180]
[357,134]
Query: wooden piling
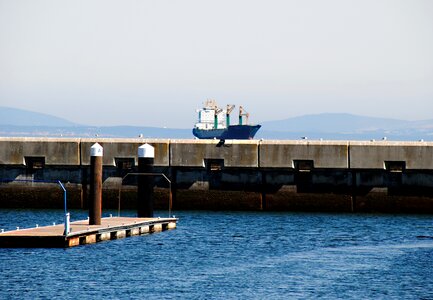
[95,203]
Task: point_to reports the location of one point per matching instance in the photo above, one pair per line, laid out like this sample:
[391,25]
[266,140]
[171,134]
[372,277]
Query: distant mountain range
[332,122]
[347,126]
[18,122]
[20,117]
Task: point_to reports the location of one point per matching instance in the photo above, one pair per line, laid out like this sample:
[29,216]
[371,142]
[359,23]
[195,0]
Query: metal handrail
[67,215]
[170,199]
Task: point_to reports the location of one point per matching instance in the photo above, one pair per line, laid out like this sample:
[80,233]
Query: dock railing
[67,216]
[170,197]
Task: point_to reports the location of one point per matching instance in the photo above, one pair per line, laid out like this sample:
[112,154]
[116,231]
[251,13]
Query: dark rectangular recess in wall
[395,166]
[214,165]
[124,165]
[303,165]
[34,163]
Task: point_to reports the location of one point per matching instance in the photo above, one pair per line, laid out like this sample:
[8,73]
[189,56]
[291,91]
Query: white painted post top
[146,151]
[96,150]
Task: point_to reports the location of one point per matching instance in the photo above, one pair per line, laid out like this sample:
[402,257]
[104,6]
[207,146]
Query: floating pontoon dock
[82,233]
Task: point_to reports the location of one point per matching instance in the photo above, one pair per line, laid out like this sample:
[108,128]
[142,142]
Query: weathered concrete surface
[288,198]
[383,200]
[373,155]
[39,195]
[217,200]
[196,153]
[284,154]
[64,152]
[245,175]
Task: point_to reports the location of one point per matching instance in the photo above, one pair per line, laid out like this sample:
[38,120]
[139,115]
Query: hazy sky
[153,63]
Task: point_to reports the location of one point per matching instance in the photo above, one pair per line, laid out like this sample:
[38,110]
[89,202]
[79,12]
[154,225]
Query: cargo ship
[214,123]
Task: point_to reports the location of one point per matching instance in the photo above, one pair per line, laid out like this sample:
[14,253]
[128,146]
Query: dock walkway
[82,233]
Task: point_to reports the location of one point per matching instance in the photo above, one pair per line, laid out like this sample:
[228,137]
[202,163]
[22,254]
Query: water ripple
[232,255]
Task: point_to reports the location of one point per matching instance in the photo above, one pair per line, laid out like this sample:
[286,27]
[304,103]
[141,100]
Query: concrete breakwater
[304,175]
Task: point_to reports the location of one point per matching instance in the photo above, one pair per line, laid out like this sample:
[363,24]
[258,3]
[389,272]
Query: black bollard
[146,154]
[95,203]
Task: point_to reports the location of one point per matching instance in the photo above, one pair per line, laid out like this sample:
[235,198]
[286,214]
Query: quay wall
[302,175]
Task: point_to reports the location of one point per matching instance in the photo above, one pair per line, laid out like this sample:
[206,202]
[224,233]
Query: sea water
[231,255]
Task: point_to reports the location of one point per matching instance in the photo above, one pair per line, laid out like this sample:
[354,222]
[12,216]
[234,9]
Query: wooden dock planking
[82,233]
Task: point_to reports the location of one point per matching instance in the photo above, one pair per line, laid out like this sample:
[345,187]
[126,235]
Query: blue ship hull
[233,132]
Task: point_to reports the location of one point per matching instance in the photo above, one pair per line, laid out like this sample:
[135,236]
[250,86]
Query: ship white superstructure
[206,116]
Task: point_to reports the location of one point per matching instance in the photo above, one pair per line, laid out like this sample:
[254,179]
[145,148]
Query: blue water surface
[231,255]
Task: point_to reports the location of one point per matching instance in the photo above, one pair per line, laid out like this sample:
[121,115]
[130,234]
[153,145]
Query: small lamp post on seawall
[95,203]
[146,155]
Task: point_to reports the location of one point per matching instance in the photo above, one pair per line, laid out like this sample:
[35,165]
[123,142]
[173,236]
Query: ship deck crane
[217,112]
[230,108]
[243,113]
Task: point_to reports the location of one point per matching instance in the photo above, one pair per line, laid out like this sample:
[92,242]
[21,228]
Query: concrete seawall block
[196,153]
[323,154]
[53,152]
[373,155]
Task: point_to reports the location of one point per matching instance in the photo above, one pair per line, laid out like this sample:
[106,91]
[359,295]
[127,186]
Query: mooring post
[95,203]
[146,155]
